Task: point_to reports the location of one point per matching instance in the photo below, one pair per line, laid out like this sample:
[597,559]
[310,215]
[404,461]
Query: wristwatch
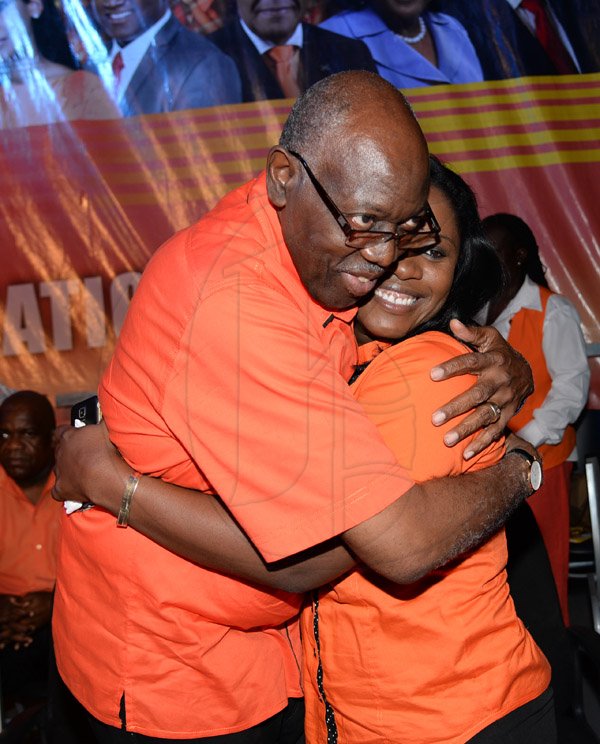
[535,475]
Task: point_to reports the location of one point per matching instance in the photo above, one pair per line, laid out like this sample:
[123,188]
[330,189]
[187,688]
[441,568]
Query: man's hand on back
[504,381]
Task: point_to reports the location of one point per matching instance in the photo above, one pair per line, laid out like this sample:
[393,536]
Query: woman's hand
[504,381]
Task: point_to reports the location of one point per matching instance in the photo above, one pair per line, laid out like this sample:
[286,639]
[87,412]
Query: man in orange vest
[545,328]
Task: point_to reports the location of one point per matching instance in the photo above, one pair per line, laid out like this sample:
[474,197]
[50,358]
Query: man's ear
[281,168]
[35,8]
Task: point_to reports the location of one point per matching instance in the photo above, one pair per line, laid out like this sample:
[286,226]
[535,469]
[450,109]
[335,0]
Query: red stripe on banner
[95,199]
[496,107]
[497,152]
[494,130]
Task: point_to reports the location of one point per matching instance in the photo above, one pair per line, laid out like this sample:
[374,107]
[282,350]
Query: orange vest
[526,333]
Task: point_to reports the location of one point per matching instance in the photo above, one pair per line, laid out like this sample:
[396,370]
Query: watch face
[535,475]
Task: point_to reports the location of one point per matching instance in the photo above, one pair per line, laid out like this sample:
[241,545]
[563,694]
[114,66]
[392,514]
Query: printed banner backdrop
[84,204]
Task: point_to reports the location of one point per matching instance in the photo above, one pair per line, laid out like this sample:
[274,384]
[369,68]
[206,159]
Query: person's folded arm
[427,526]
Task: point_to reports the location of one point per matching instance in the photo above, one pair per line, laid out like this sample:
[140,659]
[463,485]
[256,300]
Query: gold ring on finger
[496,411]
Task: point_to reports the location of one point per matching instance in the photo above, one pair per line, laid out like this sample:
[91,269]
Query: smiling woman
[452,279]
[411,45]
[418,288]
[445,659]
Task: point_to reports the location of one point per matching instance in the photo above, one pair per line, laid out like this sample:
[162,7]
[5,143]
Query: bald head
[341,101]
[362,143]
[27,423]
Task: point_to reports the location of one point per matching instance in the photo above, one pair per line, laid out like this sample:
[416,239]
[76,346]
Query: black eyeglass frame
[362,238]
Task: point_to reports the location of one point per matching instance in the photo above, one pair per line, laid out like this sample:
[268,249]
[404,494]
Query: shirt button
[38,546]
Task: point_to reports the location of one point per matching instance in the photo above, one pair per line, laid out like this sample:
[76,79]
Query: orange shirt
[226,376]
[437,661]
[526,335]
[28,539]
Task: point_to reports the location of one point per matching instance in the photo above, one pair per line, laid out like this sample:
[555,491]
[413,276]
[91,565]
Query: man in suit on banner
[516,38]
[280,57]
[159,65]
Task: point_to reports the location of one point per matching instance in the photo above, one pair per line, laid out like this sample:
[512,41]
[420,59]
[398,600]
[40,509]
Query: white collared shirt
[564,351]
[133,54]
[262,45]
[529,20]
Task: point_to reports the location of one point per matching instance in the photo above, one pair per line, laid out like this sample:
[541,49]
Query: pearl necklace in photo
[419,37]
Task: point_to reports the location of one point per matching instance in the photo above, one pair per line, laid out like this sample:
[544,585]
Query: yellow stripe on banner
[257,143]
[231,128]
[195,147]
[190,171]
[230,143]
[559,97]
[468,146]
[223,119]
[538,84]
[504,162]
[125,182]
[520,139]
[185,194]
[498,118]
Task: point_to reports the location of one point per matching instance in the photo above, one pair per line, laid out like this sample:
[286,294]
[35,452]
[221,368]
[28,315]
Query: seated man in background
[280,57]
[29,522]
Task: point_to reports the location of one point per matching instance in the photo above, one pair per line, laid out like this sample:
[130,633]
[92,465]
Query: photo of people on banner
[97,59]
[124,121]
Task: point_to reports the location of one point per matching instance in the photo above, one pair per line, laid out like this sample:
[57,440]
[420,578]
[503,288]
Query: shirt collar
[262,45]
[528,297]
[371,349]
[514,4]
[365,23]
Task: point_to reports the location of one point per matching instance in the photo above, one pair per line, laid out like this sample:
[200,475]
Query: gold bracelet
[130,488]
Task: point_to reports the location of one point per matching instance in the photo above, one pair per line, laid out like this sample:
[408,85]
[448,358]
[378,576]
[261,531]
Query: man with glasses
[230,376]
[419,231]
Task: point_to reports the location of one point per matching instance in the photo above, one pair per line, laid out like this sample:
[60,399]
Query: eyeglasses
[417,232]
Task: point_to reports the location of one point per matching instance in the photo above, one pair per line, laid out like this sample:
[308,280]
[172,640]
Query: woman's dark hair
[50,36]
[478,276]
[521,236]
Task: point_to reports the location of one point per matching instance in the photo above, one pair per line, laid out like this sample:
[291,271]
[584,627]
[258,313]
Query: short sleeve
[399,396]
[261,408]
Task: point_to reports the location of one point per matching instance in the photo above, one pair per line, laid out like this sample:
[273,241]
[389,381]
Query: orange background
[95,199]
